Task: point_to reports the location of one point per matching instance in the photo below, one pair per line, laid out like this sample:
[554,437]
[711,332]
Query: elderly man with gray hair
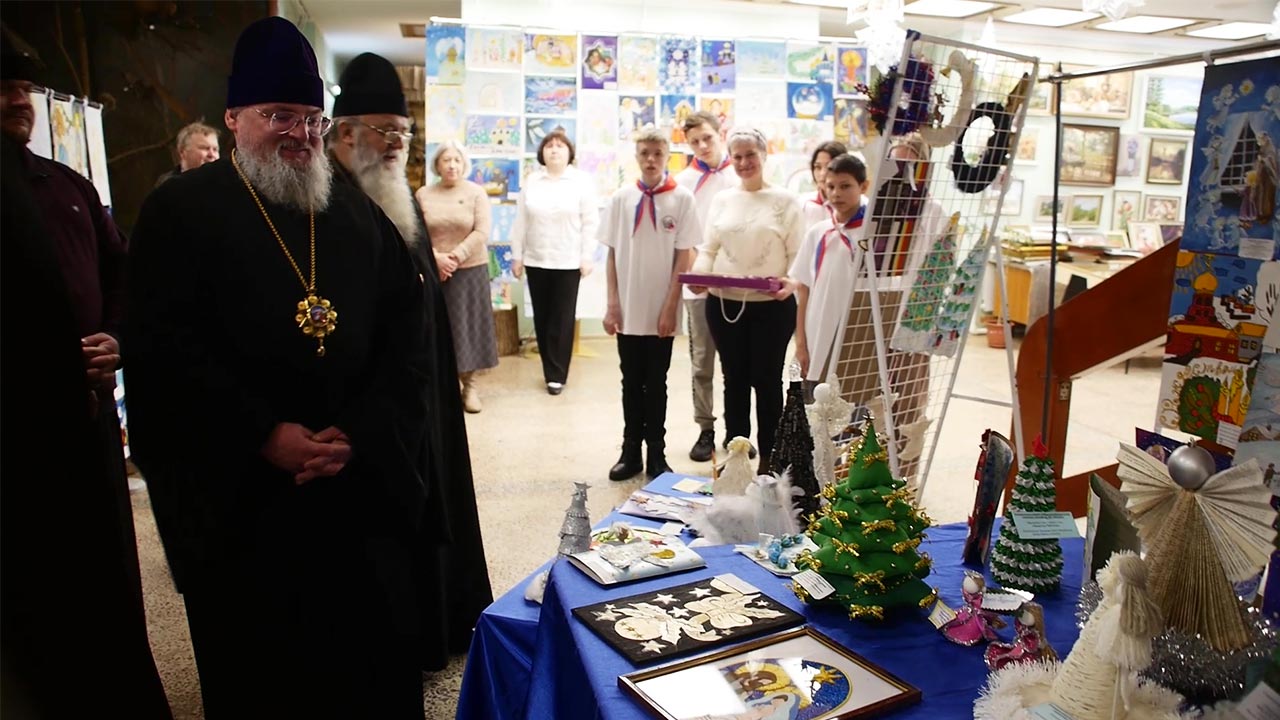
[197,145]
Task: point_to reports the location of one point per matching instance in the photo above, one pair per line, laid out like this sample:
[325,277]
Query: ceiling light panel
[1231,31]
[1050,17]
[1145,24]
[949,8]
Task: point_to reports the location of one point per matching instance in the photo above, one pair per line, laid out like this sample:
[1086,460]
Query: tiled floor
[528,447]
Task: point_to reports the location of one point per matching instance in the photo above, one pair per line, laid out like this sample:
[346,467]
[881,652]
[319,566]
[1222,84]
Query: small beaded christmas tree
[575,532]
[1031,565]
[793,450]
[867,538]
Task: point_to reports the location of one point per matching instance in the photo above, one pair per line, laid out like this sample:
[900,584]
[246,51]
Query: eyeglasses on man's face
[284,121]
[390,136]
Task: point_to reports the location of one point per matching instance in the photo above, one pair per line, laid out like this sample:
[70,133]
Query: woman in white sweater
[752,229]
[554,237]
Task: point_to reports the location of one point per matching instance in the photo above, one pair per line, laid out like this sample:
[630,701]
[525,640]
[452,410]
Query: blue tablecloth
[541,663]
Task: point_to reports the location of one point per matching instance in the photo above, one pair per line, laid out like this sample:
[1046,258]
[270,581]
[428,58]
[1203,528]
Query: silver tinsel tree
[575,532]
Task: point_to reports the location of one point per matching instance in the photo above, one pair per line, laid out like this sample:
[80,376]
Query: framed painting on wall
[1102,96]
[1012,199]
[1044,210]
[1162,209]
[772,677]
[1089,154]
[1170,104]
[1124,208]
[1084,211]
[1166,161]
[1041,100]
[1028,146]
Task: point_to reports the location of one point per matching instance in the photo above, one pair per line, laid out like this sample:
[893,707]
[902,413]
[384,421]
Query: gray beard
[389,188]
[280,183]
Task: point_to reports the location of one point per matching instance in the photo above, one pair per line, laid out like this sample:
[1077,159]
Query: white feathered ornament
[1202,533]
[828,415]
[765,507]
[737,472]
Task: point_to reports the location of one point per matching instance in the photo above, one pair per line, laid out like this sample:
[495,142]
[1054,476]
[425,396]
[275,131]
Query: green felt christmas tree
[868,537]
[1031,565]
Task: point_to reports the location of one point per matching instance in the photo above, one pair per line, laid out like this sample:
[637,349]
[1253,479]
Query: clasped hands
[306,454]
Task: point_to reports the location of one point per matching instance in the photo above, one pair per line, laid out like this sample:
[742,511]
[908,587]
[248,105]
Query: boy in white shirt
[710,172]
[650,229]
[827,265]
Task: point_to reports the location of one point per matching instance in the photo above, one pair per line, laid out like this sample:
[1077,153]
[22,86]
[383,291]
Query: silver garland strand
[1187,664]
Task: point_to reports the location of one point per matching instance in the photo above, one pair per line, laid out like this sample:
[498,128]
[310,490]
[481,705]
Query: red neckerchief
[707,171]
[648,193]
[818,199]
[837,228]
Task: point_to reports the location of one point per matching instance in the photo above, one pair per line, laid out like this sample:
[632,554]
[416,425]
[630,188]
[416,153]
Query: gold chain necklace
[316,316]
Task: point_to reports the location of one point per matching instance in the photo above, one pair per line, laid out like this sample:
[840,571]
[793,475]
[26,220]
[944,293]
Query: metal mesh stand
[930,237]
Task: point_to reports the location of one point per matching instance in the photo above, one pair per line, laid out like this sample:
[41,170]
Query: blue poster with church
[1235,169]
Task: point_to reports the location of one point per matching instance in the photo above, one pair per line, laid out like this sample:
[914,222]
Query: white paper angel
[1202,532]
[828,415]
[737,472]
[645,621]
[730,610]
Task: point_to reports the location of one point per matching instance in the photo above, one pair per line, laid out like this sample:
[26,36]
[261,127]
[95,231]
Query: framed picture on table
[1145,236]
[1089,154]
[1166,161]
[771,677]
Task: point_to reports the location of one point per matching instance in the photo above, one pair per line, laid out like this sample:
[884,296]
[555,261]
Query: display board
[69,130]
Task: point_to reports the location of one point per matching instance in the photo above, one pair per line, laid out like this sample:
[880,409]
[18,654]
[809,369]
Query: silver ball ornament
[1190,466]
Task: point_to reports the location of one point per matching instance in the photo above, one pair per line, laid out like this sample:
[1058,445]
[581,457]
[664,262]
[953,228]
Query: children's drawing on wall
[638,64]
[809,101]
[494,48]
[537,128]
[810,62]
[1260,437]
[499,177]
[718,61]
[722,108]
[494,93]
[597,118]
[673,110]
[851,71]
[761,100]
[446,52]
[550,95]
[549,54]
[601,165]
[493,134]
[851,122]
[634,112]
[599,62]
[66,117]
[1235,165]
[445,115]
[678,64]
[762,59]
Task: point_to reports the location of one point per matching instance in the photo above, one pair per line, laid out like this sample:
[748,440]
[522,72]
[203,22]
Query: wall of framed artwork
[1129,157]
[1167,161]
[1043,210]
[1089,154]
[1126,206]
[1084,210]
[1162,209]
[1028,146]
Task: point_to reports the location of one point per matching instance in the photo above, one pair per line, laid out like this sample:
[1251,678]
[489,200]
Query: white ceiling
[352,27]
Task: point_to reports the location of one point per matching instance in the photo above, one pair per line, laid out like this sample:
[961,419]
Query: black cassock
[453,578]
[300,599]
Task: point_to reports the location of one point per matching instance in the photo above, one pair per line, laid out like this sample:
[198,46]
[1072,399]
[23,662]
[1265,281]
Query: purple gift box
[743,282]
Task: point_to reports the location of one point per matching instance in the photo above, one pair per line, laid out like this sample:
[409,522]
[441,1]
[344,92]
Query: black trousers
[645,360]
[554,294]
[752,350]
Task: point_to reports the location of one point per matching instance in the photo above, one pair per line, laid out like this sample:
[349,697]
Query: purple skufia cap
[274,63]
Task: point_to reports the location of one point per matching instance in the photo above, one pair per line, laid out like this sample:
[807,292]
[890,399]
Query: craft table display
[536,662]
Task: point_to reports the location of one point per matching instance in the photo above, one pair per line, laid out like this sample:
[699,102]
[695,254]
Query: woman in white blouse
[554,237]
[752,229]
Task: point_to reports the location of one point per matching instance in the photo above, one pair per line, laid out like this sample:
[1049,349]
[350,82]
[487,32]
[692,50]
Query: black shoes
[554,388]
[657,464]
[705,446]
[628,465]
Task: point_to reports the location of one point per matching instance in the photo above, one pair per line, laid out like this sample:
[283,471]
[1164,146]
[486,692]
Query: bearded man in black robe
[369,147]
[276,394]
